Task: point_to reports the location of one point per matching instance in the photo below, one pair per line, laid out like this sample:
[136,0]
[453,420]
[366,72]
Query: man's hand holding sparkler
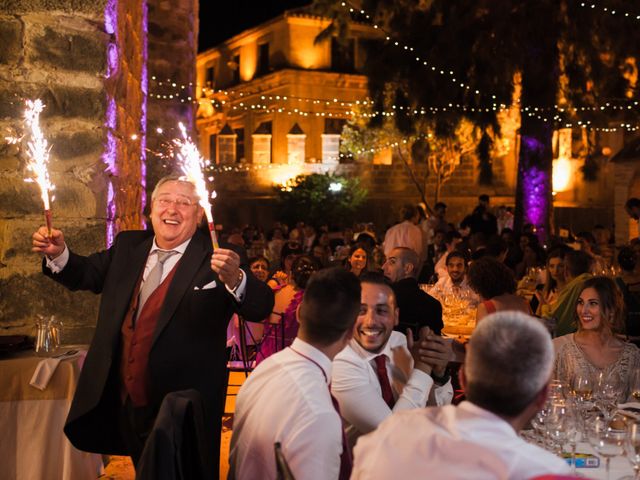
[50,245]
[226,263]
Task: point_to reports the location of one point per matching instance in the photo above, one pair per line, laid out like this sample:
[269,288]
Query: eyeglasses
[165,202]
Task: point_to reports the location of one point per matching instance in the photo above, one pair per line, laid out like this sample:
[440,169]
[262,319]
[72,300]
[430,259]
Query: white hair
[173,178]
[509,360]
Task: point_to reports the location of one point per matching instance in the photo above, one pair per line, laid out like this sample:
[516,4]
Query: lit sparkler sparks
[38,156]
[192,164]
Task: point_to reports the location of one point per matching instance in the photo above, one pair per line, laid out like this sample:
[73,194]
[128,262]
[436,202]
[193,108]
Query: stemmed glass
[632,447]
[606,395]
[606,441]
[564,427]
[634,385]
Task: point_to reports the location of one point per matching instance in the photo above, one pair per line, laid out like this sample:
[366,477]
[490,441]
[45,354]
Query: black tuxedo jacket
[417,308]
[188,349]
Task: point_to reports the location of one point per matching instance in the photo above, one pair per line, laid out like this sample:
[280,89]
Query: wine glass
[634,385]
[632,447]
[556,426]
[606,394]
[582,388]
[605,440]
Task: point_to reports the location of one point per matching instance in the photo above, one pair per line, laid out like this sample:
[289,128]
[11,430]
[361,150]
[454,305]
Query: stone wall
[58,51]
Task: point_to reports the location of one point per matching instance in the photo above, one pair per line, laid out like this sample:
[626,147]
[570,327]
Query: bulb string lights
[611,11]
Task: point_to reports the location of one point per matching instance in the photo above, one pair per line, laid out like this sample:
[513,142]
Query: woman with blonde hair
[594,350]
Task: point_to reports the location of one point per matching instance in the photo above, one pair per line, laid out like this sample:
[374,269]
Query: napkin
[46,368]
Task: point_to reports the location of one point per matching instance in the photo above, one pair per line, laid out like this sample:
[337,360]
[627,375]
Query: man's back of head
[508,363]
[577,262]
[329,306]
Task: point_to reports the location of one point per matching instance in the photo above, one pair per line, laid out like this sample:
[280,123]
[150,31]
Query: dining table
[32,441]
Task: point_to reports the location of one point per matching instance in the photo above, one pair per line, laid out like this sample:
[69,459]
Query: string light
[610,11]
[421,60]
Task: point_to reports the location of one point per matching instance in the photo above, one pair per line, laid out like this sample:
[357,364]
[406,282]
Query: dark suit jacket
[188,349]
[417,308]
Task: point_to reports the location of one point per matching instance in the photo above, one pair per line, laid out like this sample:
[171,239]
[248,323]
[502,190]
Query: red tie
[383,378]
[346,462]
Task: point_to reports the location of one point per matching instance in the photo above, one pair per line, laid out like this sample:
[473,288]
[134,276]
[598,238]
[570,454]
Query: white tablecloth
[32,441]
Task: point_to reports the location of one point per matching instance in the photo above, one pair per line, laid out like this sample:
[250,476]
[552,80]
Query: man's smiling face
[378,315]
[175,213]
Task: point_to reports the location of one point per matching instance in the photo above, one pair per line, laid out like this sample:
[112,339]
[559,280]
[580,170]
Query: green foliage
[316,199]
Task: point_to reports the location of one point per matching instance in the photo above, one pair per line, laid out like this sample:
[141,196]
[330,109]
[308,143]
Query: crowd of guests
[365,343]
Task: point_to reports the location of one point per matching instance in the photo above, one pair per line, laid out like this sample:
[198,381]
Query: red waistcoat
[136,342]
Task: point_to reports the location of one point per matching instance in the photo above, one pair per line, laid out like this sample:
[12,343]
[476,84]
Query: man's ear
[461,378]
[409,268]
[396,316]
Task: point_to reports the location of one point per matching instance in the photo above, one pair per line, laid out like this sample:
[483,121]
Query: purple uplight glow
[535,199]
[535,185]
[109,155]
[143,119]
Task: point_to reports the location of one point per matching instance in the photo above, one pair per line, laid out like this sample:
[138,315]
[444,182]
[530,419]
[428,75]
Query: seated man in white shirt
[287,399]
[382,371]
[505,375]
[454,281]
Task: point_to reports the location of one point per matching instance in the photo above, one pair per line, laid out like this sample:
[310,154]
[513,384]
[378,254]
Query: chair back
[283,472]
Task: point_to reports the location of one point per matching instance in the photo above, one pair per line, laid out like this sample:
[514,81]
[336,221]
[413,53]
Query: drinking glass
[606,441]
[556,426]
[582,388]
[634,385]
[606,393]
[632,447]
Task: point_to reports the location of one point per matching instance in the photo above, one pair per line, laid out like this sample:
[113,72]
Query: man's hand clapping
[430,352]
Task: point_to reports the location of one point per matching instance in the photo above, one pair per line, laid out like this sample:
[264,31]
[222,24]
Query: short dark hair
[259,258]
[627,259]
[440,205]
[378,278]
[483,198]
[633,202]
[577,262]
[457,254]
[490,278]
[330,305]
[408,212]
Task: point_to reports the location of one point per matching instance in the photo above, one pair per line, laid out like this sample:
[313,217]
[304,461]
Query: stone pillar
[57,51]
[173,43]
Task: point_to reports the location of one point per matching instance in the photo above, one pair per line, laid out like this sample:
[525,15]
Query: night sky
[220,19]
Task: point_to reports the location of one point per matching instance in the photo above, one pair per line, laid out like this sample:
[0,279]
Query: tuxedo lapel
[197,252]
[131,269]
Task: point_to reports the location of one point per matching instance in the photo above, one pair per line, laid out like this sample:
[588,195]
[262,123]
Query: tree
[318,199]
[562,61]
[441,155]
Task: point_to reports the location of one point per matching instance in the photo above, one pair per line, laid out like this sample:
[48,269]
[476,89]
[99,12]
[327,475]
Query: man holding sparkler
[167,297]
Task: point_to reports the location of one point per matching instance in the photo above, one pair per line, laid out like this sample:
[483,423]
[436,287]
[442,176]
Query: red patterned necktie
[383,378]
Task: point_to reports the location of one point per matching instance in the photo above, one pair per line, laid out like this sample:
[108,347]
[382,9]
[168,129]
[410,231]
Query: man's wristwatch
[441,380]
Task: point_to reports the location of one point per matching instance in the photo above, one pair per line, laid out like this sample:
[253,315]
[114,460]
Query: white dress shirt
[356,386]
[404,234]
[450,443]
[57,264]
[286,399]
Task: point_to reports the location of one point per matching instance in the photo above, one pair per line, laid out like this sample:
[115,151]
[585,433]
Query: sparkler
[192,164]
[38,156]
